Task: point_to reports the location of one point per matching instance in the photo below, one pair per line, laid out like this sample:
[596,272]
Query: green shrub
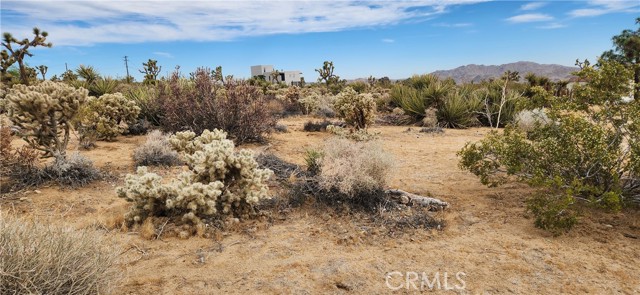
[588,154]
[358,110]
[220,182]
[145,97]
[38,258]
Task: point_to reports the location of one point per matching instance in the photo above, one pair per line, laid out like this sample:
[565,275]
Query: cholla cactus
[220,181]
[44,113]
[358,110]
[108,115]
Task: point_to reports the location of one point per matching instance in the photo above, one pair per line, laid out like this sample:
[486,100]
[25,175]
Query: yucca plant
[103,86]
[458,110]
[146,98]
[88,73]
[420,93]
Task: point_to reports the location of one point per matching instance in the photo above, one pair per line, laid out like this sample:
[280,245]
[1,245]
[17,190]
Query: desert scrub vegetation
[106,117]
[44,113]
[357,109]
[220,182]
[156,151]
[40,258]
[16,164]
[354,169]
[204,102]
[587,153]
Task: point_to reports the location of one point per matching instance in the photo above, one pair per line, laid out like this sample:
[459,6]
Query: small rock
[37,191]
[24,199]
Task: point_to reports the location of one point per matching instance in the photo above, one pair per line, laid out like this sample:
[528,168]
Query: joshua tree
[150,70]
[43,71]
[326,73]
[12,54]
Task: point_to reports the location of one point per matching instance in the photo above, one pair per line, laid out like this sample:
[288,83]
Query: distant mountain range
[477,73]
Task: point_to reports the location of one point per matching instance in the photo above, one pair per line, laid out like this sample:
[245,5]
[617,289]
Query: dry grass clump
[38,258]
[156,151]
[355,169]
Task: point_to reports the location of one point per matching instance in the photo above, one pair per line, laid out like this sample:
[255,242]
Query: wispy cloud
[552,26]
[454,25]
[163,54]
[600,7]
[386,40]
[94,21]
[532,5]
[529,17]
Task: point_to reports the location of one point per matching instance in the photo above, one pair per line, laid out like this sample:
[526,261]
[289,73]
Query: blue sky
[380,38]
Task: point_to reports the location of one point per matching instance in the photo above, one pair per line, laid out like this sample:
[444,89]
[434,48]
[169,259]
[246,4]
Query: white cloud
[454,25]
[600,7]
[552,26]
[532,5]
[529,17]
[163,54]
[388,40]
[90,22]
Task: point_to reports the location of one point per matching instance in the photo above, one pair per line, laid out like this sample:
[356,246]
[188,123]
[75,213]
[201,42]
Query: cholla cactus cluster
[108,115]
[220,181]
[358,110]
[44,112]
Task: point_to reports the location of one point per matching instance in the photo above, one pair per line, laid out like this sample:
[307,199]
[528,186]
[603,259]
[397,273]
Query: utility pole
[65,67]
[126,64]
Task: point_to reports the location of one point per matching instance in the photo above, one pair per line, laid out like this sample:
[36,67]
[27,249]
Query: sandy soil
[489,241]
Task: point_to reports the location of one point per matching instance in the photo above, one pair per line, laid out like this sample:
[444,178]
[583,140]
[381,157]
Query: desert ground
[488,238]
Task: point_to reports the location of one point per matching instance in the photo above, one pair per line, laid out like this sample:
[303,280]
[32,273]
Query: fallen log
[409,198]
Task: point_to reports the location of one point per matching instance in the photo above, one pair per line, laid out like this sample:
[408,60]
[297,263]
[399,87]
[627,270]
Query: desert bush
[457,111]
[589,154]
[15,163]
[358,110]
[528,120]
[309,102]
[351,134]
[206,103]
[45,112]
[498,102]
[220,182]
[156,151]
[73,171]
[354,169]
[39,258]
[430,119]
[107,116]
[316,126]
[281,128]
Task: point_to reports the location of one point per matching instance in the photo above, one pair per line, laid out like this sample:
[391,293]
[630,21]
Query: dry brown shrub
[354,169]
[156,151]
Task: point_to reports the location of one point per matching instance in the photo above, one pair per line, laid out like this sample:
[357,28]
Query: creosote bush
[220,182]
[588,152]
[44,112]
[357,109]
[37,258]
[156,151]
[107,116]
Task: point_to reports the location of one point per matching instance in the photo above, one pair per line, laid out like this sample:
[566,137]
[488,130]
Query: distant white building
[267,72]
